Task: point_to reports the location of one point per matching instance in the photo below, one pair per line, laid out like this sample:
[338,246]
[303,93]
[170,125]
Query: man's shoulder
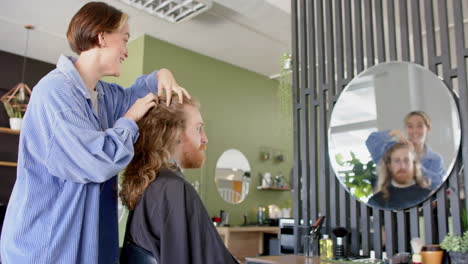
[168,178]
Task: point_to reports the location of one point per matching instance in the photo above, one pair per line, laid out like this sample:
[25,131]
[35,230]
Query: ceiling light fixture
[174,11]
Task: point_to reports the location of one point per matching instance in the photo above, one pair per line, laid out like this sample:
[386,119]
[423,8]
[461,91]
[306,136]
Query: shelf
[8,163]
[273,188]
[9,131]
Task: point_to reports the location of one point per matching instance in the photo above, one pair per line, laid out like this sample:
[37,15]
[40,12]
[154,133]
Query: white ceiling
[251,34]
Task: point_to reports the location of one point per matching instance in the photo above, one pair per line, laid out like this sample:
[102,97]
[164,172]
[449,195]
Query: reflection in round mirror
[394,135]
[232,176]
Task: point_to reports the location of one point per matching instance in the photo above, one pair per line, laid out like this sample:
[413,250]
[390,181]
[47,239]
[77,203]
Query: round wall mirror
[232,176]
[394,135]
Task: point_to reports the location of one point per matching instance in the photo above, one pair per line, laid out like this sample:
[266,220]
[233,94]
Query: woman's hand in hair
[141,107]
[166,82]
[399,136]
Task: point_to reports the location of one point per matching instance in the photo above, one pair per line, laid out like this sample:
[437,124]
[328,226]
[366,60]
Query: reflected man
[417,126]
[401,183]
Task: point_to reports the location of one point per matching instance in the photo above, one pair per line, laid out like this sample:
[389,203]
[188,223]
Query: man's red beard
[192,157]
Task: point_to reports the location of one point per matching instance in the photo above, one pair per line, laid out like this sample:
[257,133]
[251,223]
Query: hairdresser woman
[78,134]
[417,126]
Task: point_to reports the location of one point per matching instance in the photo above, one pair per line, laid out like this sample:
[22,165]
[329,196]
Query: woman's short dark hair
[93,18]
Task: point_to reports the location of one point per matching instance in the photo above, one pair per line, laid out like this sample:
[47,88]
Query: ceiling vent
[174,11]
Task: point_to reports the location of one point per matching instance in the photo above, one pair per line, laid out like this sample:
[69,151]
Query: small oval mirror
[397,102]
[232,176]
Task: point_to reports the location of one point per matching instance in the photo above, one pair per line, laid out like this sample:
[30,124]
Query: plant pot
[15,123]
[458,257]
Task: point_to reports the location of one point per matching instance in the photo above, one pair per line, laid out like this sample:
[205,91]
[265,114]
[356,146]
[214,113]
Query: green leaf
[339,159]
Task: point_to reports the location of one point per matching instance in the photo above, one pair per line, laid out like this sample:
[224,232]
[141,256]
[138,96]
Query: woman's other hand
[141,107]
[399,136]
[167,82]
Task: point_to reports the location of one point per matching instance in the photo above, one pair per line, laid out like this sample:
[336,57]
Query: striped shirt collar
[66,65]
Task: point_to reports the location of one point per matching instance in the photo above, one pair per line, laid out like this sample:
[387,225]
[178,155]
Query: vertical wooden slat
[404,36]
[418,58]
[455,202]
[377,222]
[402,234]
[330,80]
[462,82]
[365,226]
[359,58]
[312,70]
[417,41]
[431,51]
[444,41]
[414,222]
[389,233]
[339,47]
[442,213]
[349,40]
[429,225]
[303,114]
[377,226]
[369,37]
[391,30]
[358,36]
[430,38]
[379,31]
[369,33]
[348,32]
[354,225]
[312,148]
[297,207]
[344,208]
[329,49]
[323,181]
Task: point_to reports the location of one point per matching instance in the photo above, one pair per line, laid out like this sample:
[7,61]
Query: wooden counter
[288,259]
[246,241]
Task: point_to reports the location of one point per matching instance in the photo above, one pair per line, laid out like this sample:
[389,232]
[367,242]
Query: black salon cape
[172,223]
[400,198]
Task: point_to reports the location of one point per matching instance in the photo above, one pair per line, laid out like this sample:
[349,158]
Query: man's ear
[101,41]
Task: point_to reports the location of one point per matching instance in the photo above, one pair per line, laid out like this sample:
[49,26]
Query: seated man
[401,183]
[168,222]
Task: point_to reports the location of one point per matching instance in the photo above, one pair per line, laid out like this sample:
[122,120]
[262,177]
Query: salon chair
[133,254]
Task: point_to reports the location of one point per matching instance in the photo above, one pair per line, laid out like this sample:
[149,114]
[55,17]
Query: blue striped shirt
[63,208]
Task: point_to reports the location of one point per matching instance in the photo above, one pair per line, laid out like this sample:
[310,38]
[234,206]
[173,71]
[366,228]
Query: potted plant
[15,114]
[457,247]
[359,176]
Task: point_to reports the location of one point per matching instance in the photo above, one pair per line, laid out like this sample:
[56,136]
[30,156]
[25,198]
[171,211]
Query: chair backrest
[133,254]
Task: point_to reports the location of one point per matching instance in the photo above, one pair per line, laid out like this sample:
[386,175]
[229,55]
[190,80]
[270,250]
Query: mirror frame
[216,181]
[453,161]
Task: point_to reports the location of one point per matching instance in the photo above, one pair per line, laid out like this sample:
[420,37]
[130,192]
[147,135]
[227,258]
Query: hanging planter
[15,114]
[16,100]
[15,123]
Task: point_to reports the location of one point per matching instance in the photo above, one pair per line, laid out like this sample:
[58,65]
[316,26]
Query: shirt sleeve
[123,98]
[378,143]
[80,153]
[187,233]
[434,169]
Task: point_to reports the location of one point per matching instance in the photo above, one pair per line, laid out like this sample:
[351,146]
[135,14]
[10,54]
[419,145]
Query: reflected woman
[417,125]
[401,184]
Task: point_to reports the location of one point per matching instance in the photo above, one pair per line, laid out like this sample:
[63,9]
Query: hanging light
[18,97]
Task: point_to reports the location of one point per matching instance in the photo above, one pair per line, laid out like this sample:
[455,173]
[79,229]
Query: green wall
[240,109]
